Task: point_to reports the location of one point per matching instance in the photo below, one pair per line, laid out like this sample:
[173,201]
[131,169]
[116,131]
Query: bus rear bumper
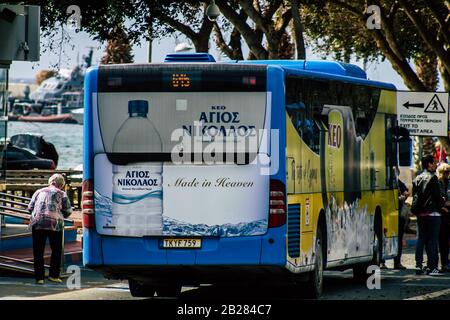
[195,275]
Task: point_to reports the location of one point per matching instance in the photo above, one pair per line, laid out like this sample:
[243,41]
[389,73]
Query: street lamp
[212,11]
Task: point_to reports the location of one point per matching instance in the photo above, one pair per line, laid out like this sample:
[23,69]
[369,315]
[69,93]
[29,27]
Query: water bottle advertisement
[150,198]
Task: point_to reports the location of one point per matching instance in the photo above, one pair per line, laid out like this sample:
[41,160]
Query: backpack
[419,200]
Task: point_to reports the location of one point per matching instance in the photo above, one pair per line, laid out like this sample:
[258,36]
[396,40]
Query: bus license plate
[176,243]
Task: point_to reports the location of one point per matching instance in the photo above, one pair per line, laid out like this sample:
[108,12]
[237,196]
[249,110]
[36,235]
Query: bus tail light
[87,204]
[277,205]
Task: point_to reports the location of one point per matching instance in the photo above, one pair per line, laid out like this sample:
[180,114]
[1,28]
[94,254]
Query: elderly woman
[49,206]
[443,172]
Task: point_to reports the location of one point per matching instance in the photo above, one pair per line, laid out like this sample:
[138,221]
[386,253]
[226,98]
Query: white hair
[57,180]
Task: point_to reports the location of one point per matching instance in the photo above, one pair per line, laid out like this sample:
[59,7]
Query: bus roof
[323,69]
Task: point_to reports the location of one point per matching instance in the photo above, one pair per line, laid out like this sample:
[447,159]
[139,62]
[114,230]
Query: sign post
[423,113]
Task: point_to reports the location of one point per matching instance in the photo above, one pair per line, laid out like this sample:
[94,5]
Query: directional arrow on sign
[408,105]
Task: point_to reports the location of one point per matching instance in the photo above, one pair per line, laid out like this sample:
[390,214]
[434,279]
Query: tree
[339,27]
[262,14]
[298,30]
[262,24]
[43,75]
[411,31]
[118,50]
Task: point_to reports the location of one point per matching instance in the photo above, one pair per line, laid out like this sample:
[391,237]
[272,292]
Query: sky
[80,42]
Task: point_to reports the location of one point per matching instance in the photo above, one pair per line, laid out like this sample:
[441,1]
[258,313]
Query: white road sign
[423,113]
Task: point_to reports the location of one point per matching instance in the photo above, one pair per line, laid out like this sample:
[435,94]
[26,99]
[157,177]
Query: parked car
[20,159]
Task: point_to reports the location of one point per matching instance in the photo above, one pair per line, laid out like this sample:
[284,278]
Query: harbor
[259,152]
[41,134]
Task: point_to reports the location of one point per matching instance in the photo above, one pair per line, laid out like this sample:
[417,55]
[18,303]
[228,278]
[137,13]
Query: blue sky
[80,41]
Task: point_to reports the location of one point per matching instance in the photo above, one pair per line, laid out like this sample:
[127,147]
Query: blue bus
[309,183]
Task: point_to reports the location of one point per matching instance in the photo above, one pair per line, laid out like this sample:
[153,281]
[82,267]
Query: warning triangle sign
[435,106]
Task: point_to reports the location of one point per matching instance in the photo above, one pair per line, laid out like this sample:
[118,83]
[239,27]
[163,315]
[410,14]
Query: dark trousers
[401,231]
[39,240]
[444,238]
[428,228]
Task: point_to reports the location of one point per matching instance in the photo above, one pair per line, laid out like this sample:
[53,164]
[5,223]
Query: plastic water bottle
[137,187]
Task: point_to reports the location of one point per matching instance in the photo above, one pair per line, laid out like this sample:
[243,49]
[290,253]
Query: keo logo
[334,135]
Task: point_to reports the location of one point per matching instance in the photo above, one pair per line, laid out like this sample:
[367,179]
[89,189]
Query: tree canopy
[411,30]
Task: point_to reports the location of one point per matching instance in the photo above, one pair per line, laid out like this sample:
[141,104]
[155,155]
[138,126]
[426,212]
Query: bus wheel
[140,290]
[314,285]
[360,270]
[377,248]
[172,290]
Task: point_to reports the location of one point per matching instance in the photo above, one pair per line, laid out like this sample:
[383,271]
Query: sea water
[67,138]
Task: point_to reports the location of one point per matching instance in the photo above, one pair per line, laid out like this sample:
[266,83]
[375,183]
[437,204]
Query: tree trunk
[201,39]
[445,75]
[298,31]
[286,49]
[249,35]
[233,49]
[445,141]
[201,44]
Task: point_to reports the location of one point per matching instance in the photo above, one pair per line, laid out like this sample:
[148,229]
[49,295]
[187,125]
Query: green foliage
[338,32]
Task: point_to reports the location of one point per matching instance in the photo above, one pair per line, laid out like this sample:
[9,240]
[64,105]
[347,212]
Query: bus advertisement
[203,172]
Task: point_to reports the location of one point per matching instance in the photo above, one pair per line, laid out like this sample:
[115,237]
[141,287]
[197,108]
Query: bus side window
[296,112]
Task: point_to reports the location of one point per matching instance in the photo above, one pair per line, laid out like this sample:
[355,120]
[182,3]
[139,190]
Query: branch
[285,18]
[346,6]
[399,63]
[274,6]
[220,42]
[253,14]
[298,30]
[206,28]
[178,26]
[410,78]
[435,45]
[392,11]
[445,75]
[434,7]
[244,29]
[388,29]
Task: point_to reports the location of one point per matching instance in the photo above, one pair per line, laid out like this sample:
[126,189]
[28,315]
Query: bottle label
[135,184]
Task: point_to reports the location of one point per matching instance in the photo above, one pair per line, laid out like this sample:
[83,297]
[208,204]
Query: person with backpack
[427,204]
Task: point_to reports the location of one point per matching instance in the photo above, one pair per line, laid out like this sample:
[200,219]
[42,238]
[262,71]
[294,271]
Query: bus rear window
[151,122]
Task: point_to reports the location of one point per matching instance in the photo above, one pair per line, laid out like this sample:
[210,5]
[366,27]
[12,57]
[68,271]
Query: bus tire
[360,270]
[138,289]
[171,290]
[314,284]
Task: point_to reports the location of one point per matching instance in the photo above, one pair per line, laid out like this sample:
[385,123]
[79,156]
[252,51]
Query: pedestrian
[403,194]
[426,190]
[49,206]
[439,153]
[444,234]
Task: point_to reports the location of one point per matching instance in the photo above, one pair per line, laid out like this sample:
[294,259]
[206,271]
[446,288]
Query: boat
[61,112]
[58,118]
[24,109]
[55,87]
[66,80]
[78,114]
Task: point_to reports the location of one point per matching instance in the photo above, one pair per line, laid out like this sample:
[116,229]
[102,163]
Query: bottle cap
[138,106]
